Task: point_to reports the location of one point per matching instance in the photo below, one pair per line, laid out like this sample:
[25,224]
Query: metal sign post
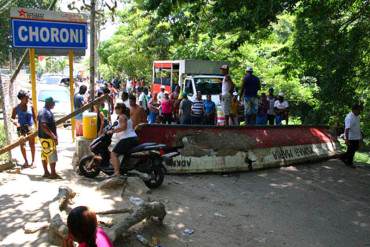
[51,33]
[33,79]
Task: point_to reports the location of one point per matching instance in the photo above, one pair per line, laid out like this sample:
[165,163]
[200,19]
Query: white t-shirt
[281,105]
[226,85]
[352,122]
[144,101]
[128,133]
[160,96]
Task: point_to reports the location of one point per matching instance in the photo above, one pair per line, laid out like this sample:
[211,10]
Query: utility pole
[92,50]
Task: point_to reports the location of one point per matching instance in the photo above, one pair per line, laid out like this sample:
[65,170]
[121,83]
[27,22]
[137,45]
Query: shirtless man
[137,113]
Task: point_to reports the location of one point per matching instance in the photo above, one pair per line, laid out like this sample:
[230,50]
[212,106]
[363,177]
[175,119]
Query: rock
[82,147]
[135,186]
[32,227]
[113,183]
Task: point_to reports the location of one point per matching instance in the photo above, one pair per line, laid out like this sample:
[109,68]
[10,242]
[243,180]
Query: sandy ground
[323,204]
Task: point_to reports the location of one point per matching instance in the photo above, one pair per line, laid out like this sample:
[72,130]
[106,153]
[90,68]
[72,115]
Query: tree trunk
[92,50]
[145,211]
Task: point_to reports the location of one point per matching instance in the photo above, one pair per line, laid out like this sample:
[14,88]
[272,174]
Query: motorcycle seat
[141,147]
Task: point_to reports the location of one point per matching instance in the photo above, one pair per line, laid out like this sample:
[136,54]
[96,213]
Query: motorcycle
[144,161]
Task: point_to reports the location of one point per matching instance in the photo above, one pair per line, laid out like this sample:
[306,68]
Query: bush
[3,157]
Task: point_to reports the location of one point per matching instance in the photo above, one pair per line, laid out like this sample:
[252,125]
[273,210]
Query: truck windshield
[208,85]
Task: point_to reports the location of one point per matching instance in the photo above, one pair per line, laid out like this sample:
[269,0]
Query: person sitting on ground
[137,113]
[166,106]
[234,111]
[83,228]
[26,120]
[281,109]
[124,134]
[185,109]
[197,110]
[263,106]
[209,111]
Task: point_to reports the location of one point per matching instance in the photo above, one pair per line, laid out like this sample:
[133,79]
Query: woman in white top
[125,134]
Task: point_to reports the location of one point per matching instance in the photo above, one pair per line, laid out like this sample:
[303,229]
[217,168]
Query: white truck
[190,75]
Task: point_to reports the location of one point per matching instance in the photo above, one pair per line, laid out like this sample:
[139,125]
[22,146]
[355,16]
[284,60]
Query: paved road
[323,204]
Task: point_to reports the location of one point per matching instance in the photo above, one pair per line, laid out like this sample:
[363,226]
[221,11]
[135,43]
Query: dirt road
[323,204]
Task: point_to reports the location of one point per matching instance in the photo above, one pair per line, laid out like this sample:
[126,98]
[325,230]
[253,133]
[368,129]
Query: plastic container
[89,125]
[220,116]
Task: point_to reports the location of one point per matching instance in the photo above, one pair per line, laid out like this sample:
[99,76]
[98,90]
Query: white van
[206,84]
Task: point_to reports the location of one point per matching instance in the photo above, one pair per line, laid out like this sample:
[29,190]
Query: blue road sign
[49,34]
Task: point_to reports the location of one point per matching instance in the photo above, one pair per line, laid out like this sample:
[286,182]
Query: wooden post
[71,90]
[92,50]
[33,79]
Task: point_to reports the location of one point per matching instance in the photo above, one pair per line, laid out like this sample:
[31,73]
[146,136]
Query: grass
[3,157]
[362,156]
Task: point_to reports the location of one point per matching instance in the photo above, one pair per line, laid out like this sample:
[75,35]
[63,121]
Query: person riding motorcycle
[124,134]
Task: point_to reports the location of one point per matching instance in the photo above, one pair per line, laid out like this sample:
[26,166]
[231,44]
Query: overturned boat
[241,148]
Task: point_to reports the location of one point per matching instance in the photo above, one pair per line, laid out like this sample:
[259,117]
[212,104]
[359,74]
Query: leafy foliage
[317,52]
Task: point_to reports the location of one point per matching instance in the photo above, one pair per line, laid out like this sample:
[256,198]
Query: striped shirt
[197,109]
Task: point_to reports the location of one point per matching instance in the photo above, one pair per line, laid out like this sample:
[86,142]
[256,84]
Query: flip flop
[46,176]
[56,176]
[24,166]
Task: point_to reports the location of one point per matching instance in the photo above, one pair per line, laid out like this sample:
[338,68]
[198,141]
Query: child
[234,110]
[83,228]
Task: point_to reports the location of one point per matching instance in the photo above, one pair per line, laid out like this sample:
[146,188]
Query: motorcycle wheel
[157,177]
[84,170]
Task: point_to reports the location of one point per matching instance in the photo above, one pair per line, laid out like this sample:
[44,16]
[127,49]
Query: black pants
[271,119]
[167,118]
[196,120]
[352,147]
[209,119]
[125,145]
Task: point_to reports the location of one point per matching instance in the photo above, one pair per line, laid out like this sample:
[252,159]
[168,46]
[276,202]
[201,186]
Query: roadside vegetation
[3,157]
[317,52]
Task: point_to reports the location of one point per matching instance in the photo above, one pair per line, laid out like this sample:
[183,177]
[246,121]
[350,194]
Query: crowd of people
[260,108]
[140,105]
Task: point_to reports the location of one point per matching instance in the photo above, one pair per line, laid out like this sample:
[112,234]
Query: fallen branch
[145,211]
[58,230]
[116,211]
